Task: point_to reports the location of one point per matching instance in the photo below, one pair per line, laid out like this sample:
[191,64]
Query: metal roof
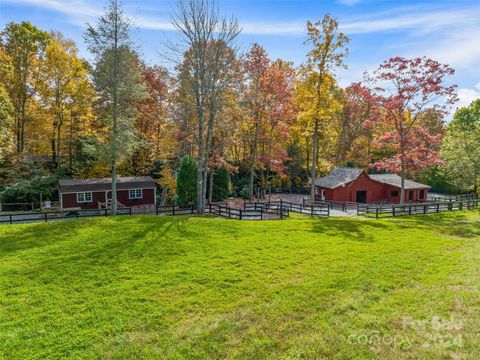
[337,177]
[395,180]
[103,184]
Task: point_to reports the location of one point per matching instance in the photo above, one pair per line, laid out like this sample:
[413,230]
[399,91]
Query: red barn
[133,191]
[355,185]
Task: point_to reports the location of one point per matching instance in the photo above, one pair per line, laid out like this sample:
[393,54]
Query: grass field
[192,287]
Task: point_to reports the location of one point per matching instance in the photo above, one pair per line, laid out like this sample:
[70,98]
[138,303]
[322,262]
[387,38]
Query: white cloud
[349,2]
[467,95]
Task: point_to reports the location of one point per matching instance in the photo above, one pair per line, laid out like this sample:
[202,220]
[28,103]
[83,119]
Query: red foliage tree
[403,90]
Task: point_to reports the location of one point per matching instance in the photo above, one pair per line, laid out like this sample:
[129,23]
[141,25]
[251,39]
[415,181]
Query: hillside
[193,287]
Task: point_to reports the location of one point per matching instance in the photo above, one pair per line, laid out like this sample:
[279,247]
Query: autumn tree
[117,78]
[354,142]
[23,45]
[207,42]
[404,89]
[65,92]
[461,149]
[327,53]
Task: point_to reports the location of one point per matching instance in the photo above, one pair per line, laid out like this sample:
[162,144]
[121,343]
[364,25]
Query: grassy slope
[180,287]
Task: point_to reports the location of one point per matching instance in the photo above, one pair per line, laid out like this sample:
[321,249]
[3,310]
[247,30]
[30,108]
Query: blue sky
[448,31]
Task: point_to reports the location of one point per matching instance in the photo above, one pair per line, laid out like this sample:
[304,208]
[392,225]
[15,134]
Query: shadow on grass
[353,229]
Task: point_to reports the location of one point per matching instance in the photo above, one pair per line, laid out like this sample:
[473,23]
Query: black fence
[384,210]
[317,209]
[46,216]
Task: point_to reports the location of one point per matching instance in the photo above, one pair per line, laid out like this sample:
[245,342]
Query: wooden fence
[46,216]
[384,210]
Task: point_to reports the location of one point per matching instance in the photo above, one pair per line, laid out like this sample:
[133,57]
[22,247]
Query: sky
[447,31]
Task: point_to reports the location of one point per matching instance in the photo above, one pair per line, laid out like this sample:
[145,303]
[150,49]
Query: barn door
[361,197]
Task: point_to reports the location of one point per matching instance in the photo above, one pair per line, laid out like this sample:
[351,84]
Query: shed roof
[337,177]
[395,180]
[103,184]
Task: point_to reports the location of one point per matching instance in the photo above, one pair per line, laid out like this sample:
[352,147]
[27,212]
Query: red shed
[355,185]
[132,191]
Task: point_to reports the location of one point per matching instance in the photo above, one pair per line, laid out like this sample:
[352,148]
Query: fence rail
[46,216]
[384,210]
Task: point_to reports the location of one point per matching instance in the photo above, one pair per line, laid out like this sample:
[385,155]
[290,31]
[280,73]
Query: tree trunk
[313,170]
[210,188]
[402,172]
[115,115]
[253,158]
[58,144]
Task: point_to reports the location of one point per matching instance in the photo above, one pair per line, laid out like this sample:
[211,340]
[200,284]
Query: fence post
[393,210]
[105,212]
[229,212]
[281,209]
[240,216]
[424,209]
[173,209]
[376,213]
[410,209]
[438,208]
[460,205]
[261,214]
[156,210]
[210,208]
[192,208]
[11,221]
[130,211]
[46,219]
[311,209]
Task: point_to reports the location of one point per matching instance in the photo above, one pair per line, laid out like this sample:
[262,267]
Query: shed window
[394,193]
[410,195]
[135,194]
[422,194]
[84,197]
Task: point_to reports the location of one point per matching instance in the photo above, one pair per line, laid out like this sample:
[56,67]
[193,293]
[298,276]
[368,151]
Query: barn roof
[337,177]
[102,184]
[395,180]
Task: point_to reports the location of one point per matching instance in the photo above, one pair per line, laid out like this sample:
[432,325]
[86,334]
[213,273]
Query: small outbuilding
[355,185]
[132,191]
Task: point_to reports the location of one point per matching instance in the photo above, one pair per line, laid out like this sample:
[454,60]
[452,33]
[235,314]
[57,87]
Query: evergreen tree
[187,181]
[221,184]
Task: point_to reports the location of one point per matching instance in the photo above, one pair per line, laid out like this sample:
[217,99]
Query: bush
[187,181]
[221,184]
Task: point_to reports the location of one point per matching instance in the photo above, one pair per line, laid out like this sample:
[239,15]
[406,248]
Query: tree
[461,149]
[6,124]
[65,91]
[187,181]
[116,76]
[23,45]
[221,184]
[328,51]
[404,89]
[354,142]
[208,39]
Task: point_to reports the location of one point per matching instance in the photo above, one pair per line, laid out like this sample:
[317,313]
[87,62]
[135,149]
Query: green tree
[23,45]
[461,149]
[117,78]
[6,123]
[221,184]
[187,181]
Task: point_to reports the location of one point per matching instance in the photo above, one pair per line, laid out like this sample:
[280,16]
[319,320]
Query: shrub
[221,184]
[187,181]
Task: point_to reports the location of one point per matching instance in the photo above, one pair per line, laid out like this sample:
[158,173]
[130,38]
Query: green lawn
[193,287]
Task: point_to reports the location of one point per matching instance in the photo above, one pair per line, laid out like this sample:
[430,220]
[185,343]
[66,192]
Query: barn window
[84,197]
[410,195]
[135,194]
[394,193]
